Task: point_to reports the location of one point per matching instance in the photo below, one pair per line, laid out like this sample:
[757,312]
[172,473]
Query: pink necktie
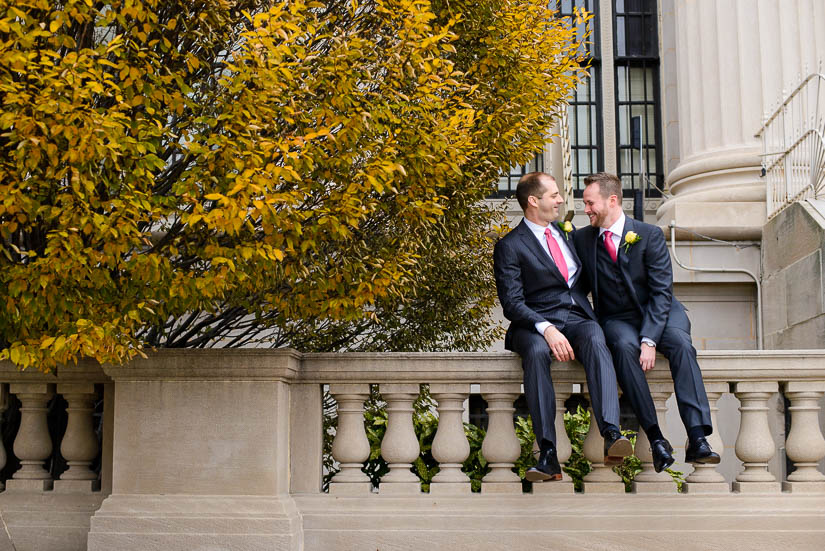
[608,244]
[555,252]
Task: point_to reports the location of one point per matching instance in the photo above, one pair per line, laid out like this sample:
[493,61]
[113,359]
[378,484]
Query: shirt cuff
[542,326]
[650,342]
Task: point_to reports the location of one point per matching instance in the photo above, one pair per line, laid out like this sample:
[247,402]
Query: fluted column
[648,480]
[743,59]
[563,447]
[705,479]
[501,447]
[80,445]
[351,446]
[450,445]
[754,444]
[805,445]
[399,448]
[601,479]
[32,445]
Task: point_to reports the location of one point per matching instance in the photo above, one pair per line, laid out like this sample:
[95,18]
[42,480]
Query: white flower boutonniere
[566,228]
[631,238]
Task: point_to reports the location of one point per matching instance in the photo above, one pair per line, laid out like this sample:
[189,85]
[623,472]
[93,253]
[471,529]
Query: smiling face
[603,212]
[545,208]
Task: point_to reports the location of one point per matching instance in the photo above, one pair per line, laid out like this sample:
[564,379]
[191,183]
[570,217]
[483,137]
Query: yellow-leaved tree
[300,173]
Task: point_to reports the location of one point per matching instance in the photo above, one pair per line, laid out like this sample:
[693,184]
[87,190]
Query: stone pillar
[705,479]
[450,445]
[648,480]
[399,448]
[744,54]
[32,445]
[80,445]
[4,405]
[563,447]
[754,444]
[805,445]
[350,447]
[501,447]
[601,479]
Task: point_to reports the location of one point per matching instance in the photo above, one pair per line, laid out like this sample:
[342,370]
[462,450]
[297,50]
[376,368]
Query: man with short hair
[538,279]
[628,269]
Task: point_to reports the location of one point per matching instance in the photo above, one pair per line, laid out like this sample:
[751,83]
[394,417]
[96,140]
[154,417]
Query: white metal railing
[793,146]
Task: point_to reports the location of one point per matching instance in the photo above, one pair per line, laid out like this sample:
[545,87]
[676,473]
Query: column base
[700,488]
[501,487]
[804,487]
[756,487]
[76,486]
[178,523]
[561,487]
[603,488]
[450,488]
[399,488]
[654,487]
[350,489]
[29,485]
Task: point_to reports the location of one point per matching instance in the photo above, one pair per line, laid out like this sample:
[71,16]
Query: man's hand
[559,345]
[647,359]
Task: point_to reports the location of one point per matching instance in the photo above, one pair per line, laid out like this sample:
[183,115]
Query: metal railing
[793,146]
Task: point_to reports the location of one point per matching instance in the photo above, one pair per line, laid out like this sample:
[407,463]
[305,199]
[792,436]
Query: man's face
[596,207]
[549,201]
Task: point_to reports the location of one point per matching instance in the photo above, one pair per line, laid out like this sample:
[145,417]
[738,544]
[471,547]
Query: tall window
[584,110]
[639,158]
[507,182]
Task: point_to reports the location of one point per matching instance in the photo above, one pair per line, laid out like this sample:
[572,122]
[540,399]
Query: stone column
[32,445]
[501,447]
[563,447]
[744,54]
[350,447]
[80,445]
[754,444]
[601,479]
[705,479]
[805,445]
[450,445]
[4,405]
[648,480]
[399,448]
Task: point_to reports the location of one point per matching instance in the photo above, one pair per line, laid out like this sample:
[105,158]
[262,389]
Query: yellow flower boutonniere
[631,238]
[566,228]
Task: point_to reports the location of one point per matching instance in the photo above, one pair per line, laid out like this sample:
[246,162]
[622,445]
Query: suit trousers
[675,344]
[588,342]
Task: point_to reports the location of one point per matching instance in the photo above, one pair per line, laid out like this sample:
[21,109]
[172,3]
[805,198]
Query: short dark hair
[530,185]
[609,184]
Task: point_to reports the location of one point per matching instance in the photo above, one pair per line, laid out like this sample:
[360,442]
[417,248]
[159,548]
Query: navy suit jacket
[530,287]
[647,272]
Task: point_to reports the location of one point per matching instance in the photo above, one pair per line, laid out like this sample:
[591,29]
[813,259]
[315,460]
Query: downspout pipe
[759,342]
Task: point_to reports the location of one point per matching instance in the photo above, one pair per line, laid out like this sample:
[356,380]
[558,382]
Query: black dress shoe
[547,468]
[662,455]
[699,451]
[616,447]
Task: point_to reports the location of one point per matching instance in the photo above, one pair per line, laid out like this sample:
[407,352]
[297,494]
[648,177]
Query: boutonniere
[631,238]
[566,229]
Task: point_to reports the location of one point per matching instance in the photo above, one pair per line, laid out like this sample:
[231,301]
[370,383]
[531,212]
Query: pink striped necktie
[608,244]
[555,252]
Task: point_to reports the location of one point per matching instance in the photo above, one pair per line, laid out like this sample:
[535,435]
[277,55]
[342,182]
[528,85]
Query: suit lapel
[623,258]
[532,244]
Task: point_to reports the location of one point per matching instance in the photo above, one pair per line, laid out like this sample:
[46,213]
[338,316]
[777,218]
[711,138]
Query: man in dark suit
[628,269]
[538,279]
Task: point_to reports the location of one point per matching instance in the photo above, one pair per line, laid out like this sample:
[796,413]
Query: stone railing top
[404,367]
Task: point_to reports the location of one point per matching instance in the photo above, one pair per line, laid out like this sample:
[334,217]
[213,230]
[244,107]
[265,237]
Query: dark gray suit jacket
[530,287]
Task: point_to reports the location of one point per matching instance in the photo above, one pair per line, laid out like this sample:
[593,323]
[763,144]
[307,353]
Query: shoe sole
[620,449]
[712,460]
[538,476]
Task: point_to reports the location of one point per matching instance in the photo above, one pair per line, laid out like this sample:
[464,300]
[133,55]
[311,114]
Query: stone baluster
[399,448]
[705,479]
[32,445]
[80,445]
[601,479]
[4,405]
[805,445]
[450,445]
[351,446]
[648,480]
[501,447]
[754,444]
[563,447]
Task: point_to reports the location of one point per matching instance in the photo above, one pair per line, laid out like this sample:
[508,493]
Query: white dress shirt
[564,245]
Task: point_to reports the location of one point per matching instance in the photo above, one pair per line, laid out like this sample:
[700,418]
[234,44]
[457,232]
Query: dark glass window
[507,182]
[637,96]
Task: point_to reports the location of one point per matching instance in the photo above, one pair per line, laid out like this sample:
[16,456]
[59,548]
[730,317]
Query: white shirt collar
[538,229]
[617,228]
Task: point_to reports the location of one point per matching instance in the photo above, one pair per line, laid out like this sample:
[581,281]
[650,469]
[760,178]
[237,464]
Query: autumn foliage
[307,174]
